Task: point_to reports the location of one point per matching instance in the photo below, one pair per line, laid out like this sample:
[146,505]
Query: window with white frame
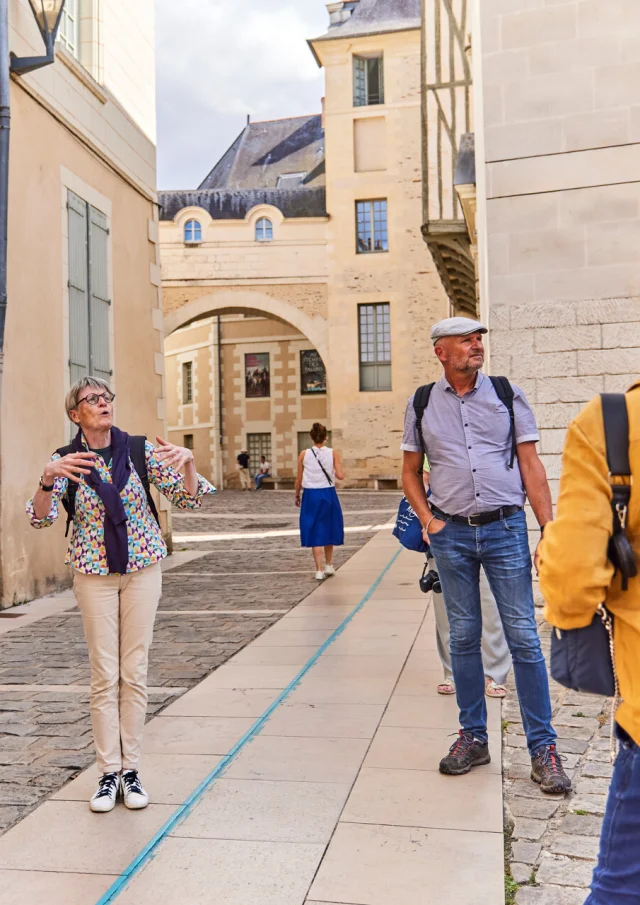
[368,80]
[192,232]
[374,329]
[89,301]
[264,230]
[69,29]
[187,382]
[371,226]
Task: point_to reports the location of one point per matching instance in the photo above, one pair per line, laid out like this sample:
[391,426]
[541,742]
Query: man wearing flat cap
[480,436]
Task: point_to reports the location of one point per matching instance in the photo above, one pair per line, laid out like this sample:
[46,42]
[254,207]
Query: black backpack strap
[616,433]
[69,499]
[420,402]
[504,391]
[138,453]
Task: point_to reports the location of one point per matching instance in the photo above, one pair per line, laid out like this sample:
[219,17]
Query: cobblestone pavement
[552,841]
[211,608]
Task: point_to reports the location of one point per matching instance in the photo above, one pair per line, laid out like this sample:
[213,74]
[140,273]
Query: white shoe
[135,796]
[319,576]
[329,571]
[105,797]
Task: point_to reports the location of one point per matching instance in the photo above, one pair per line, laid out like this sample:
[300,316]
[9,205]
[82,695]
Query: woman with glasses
[115,551]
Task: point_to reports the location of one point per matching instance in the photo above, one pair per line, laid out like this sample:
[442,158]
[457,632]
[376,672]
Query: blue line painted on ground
[148,852]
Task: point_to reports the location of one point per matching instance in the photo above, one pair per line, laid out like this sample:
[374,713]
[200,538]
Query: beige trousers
[245,479]
[118,612]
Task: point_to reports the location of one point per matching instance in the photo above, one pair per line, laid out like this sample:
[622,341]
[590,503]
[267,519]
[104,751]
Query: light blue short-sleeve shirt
[468,441]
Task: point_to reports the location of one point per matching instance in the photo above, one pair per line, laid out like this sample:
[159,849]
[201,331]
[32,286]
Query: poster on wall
[256,375]
[313,376]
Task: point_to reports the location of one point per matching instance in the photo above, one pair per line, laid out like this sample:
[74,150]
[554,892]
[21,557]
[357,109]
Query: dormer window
[290,180]
[264,230]
[192,232]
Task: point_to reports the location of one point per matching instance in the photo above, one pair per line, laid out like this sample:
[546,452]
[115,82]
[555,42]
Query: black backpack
[139,459]
[504,391]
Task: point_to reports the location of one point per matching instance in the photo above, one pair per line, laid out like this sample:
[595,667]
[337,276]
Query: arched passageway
[244,371]
[314,327]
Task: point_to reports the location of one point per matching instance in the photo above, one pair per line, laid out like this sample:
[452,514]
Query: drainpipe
[5,123]
[220,427]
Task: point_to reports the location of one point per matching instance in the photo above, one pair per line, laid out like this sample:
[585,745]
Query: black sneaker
[466,752]
[105,796]
[547,770]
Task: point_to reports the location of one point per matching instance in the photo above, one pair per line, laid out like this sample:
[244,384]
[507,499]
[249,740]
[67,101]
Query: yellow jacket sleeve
[575,573]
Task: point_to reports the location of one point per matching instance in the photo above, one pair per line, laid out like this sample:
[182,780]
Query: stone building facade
[555,204]
[343,264]
[560,226]
[206,363]
[84,272]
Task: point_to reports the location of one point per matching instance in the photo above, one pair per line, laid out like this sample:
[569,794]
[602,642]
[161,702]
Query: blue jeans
[502,549]
[616,879]
[259,479]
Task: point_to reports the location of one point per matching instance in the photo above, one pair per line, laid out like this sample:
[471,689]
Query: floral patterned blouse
[87,552]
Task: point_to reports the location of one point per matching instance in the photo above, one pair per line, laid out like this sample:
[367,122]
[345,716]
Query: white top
[312,476]
[264,468]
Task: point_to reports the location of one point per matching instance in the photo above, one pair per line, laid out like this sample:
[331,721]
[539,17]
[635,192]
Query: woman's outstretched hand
[170,454]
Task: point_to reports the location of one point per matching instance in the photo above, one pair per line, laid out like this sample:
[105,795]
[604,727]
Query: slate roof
[373,17]
[247,174]
[234,204]
[264,151]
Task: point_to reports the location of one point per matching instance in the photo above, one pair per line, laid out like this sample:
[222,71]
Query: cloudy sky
[219,60]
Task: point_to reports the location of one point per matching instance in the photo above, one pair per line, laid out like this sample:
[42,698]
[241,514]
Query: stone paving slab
[45,737]
[266,827]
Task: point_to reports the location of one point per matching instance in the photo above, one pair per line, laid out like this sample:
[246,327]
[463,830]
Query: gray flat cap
[456,326]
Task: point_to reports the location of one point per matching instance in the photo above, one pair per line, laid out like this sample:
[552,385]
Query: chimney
[341,11]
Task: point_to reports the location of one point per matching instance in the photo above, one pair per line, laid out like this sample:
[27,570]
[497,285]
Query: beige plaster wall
[368,426]
[115,117]
[561,222]
[45,154]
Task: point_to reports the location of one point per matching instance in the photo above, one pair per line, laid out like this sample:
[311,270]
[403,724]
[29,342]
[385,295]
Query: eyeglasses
[94,398]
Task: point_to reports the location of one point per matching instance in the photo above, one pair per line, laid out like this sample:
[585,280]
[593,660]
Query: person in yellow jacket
[575,576]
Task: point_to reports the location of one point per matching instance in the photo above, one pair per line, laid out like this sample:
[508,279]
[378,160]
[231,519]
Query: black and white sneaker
[105,796]
[135,796]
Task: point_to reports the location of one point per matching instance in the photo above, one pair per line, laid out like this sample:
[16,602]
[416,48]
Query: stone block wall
[560,231]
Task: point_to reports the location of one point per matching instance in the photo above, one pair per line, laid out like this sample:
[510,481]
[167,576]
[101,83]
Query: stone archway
[315,328]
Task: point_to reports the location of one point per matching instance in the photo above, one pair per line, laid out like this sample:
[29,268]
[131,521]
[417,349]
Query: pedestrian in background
[243,470]
[321,521]
[484,464]
[576,575]
[264,471]
[115,551]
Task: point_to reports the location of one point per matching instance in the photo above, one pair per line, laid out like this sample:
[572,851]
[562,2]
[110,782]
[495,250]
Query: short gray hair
[71,401]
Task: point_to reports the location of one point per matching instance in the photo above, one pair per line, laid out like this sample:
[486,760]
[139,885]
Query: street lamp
[47,14]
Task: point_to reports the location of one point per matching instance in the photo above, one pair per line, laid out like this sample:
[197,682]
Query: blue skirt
[321,522]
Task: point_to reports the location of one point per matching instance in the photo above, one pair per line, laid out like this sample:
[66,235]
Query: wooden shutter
[99,300]
[79,354]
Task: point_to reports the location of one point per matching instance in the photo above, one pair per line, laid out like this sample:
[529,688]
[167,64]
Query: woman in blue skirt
[321,522]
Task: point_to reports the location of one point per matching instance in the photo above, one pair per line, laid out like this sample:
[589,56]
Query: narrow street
[218,596]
